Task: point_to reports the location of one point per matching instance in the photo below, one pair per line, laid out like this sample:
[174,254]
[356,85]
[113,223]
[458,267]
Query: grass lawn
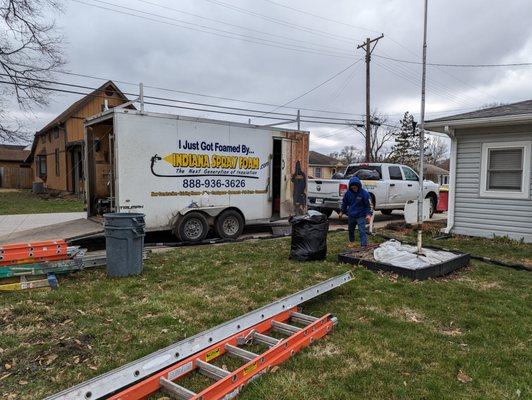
[396,339]
[25,202]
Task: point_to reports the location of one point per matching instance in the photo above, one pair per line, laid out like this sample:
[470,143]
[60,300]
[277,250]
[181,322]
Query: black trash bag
[309,236]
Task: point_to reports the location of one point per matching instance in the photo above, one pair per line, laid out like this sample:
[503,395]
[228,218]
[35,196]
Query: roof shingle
[13,152]
[522,107]
[315,158]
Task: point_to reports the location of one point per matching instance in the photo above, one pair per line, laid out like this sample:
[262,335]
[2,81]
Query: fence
[16,177]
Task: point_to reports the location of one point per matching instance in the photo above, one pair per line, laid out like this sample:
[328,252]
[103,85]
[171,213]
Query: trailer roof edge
[106,115]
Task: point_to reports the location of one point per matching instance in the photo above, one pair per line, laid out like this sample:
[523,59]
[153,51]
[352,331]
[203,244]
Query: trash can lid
[123,215]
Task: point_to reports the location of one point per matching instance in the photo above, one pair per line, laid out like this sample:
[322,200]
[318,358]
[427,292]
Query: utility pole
[369,49]
[422,139]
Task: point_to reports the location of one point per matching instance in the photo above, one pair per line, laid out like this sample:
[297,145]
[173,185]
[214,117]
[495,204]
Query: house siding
[46,145]
[70,133]
[482,216]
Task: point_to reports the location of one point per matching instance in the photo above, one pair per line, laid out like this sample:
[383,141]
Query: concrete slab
[67,230]
[10,224]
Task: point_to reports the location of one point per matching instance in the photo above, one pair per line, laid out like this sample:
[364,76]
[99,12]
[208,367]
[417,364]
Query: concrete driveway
[12,224]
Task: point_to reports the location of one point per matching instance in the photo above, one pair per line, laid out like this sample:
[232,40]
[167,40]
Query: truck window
[410,175]
[353,169]
[395,173]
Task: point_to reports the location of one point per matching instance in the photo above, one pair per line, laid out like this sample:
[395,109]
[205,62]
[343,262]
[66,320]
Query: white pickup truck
[389,185]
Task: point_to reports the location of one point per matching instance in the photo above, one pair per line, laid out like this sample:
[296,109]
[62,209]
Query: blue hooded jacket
[356,204]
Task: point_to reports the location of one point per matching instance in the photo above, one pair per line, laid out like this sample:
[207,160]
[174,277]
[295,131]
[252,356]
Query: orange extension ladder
[27,253]
[228,384]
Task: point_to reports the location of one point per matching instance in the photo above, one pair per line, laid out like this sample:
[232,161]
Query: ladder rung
[241,353]
[176,391]
[284,328]
[210,370]
[264,339]
[303,318]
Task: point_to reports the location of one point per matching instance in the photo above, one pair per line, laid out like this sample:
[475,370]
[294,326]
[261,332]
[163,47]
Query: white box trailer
[190,175]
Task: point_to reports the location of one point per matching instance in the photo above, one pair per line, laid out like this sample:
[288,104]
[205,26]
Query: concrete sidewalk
[12,224]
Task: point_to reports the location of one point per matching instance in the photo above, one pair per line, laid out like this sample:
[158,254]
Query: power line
[209,96]
[278,21]
[523,64]
[406,77]
[239,26]
[315,87]
[436,84]
[212,31]
[321,17]
[245,113]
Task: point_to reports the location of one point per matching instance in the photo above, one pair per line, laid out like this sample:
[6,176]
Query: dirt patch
[367,358]
[324,350]
[450,330]
[408,315]
[479,285]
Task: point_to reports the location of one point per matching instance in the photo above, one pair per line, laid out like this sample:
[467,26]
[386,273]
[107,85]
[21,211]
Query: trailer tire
[229,224]
[193,227]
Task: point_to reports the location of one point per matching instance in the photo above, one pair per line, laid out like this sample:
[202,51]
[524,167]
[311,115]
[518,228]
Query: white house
[490,173]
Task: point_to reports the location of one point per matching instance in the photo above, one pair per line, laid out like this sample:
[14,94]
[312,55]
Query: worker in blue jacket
[356,205]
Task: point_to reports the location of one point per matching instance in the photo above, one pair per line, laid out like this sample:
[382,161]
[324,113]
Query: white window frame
[316,169]
[525,183]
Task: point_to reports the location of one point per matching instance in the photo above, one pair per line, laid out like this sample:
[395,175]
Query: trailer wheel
[229,224]
[193,227]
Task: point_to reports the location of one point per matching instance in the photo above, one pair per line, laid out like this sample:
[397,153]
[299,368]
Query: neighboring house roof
[506,114]
[13,152]
[315,158]
[72,109]
[430,169]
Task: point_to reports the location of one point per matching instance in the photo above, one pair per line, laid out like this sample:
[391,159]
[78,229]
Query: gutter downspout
[452,180]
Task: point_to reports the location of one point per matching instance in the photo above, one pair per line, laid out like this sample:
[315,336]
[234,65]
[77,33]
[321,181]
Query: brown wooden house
[14,174]
[57,150]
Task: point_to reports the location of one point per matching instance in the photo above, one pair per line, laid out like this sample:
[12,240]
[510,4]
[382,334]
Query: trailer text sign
[215,165]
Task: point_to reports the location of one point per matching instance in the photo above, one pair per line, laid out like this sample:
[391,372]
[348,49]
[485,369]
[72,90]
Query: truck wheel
[193,227]
[229,224]
[386,212]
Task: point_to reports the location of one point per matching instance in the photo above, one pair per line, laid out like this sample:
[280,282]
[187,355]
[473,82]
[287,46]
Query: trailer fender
[210,213]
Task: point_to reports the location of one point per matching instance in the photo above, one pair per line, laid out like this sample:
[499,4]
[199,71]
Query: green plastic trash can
[124,243]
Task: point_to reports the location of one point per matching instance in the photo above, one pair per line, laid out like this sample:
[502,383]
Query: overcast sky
[126,48]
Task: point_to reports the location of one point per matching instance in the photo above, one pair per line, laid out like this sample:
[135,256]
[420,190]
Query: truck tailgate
[324,188]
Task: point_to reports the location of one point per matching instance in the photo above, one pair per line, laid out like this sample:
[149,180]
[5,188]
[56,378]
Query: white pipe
[422,139]
[452,180]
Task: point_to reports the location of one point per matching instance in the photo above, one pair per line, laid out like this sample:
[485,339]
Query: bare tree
[437,151]
[349,155]
[381,136]
[30,52]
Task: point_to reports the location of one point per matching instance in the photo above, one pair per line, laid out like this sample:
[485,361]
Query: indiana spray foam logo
[213,161]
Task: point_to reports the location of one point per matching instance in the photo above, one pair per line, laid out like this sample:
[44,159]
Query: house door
[77,170]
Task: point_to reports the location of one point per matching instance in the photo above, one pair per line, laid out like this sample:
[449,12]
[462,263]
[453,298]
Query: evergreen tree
[402,151]
[406,148]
